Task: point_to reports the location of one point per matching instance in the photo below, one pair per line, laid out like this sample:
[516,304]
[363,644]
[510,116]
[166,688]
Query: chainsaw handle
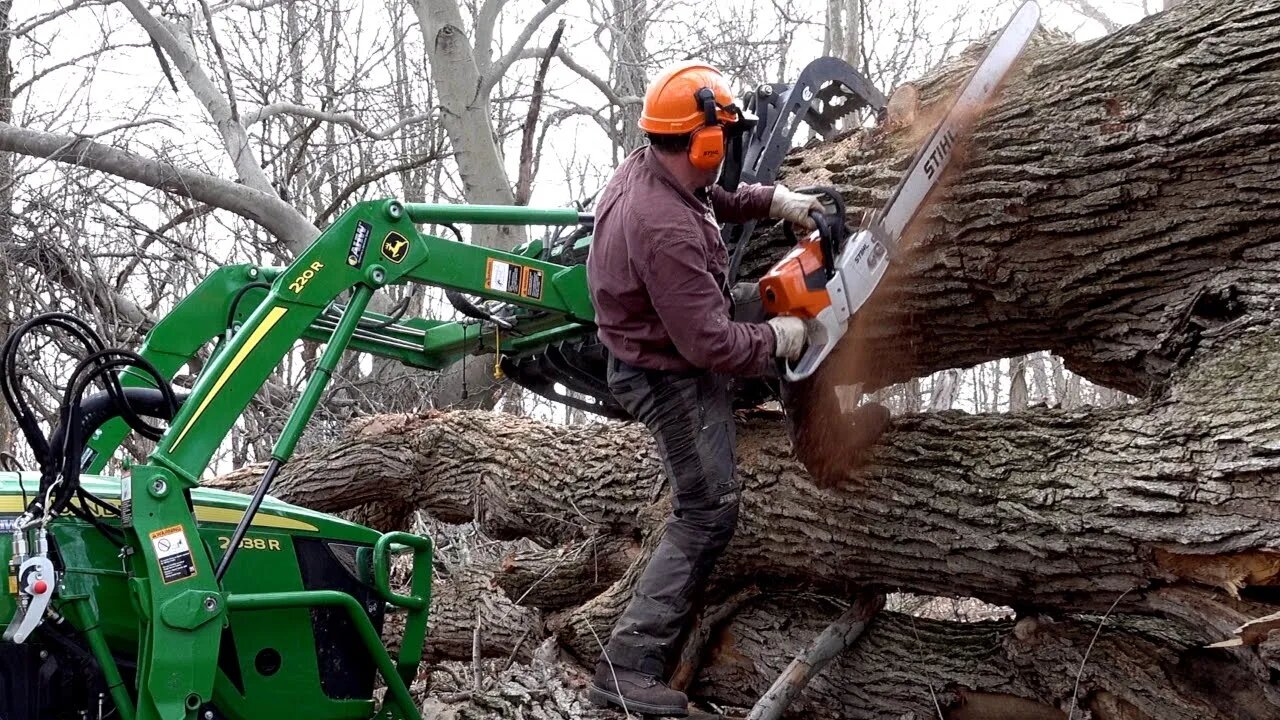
[829,226]
[822,333]
[825,236]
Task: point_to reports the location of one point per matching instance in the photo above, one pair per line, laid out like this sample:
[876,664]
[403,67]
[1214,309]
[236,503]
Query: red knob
[40,586]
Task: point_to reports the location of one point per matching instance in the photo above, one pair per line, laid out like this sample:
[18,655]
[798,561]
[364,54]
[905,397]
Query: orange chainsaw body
[797,284]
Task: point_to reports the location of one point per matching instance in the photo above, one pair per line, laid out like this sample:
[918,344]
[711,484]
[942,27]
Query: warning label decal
[512,278]
[173,554]
[532,284]
[503,277]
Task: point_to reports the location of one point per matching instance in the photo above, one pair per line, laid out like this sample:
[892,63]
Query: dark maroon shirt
[656,269]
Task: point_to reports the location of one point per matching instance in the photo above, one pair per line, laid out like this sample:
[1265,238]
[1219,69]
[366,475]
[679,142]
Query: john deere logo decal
[395,247]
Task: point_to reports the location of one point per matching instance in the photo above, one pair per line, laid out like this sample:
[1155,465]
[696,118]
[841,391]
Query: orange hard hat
[672,106]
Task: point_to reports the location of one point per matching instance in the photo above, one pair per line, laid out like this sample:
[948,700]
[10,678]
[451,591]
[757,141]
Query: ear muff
[706,144]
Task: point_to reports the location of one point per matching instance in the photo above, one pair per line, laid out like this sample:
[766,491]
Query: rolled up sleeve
[692,309]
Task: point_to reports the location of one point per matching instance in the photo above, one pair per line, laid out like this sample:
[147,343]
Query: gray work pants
[691,419]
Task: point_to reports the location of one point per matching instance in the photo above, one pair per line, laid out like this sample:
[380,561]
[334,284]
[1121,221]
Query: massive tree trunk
[1119,205]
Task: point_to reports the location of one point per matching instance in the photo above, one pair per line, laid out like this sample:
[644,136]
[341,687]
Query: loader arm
[375,244]
[224,301]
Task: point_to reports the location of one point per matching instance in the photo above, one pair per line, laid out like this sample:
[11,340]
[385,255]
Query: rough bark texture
[962,516]
[979,670]
[1045,508]
[1111,202]
[836,638]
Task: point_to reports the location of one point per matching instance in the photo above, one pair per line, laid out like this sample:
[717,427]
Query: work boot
[636,692]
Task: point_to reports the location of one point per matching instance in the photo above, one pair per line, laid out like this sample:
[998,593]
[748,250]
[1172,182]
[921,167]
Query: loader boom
[183,606]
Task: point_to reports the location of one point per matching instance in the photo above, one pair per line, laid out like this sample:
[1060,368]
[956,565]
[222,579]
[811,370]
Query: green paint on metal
[424,214]
[317,383]
[170,615]
[396,687]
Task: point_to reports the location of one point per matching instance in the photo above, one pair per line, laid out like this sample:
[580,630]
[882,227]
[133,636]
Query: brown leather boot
[636,692]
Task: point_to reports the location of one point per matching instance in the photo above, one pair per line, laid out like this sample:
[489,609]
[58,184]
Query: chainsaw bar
[928,165]
[862,262]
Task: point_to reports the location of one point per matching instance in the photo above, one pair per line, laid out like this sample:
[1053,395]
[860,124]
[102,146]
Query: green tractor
[148,597]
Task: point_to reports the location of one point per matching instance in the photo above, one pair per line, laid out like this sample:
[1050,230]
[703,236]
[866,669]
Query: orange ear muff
[706,144]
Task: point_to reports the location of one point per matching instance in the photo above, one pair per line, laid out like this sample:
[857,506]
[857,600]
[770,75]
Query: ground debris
[533,691]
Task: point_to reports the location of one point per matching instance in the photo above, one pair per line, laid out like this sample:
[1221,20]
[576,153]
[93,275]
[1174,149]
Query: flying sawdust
[834,435]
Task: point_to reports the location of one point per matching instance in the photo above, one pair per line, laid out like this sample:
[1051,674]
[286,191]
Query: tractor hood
[212,507]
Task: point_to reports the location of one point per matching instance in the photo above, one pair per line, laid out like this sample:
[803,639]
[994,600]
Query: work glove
[794,207]
[789,336]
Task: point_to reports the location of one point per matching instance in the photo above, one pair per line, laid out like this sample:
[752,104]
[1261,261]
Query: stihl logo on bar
[939,154]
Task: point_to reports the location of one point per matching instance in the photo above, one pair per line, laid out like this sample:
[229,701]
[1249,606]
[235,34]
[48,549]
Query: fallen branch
[838,637]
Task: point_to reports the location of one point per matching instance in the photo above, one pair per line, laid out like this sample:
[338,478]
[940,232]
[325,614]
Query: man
[656,269]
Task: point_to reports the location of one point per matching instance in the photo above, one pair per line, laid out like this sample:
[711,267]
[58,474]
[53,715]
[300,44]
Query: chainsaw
[827,277]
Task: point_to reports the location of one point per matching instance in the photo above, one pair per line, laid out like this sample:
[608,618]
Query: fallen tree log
[1046,509]
[1138,668]
[914,667]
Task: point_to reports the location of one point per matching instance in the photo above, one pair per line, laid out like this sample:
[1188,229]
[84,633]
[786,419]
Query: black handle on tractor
[830,225]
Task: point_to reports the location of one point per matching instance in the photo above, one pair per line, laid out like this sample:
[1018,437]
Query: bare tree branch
[340,197]
[39,20]
[839,636]
[1091,11]
[127,125]
[234,136]
[513,53]
[604,87]
[565,113]
[266,209]
[222,60]
[284,108]
[528,160]
[486,20]
[45,72]
[246,4]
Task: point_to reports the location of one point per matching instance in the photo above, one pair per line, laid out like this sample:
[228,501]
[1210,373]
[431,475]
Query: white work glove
[794,206]
[789,336]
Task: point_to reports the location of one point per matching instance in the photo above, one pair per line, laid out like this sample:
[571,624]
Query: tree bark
[1023,669]
[1118,196]
[1138,668]
[631,18]
[464,77]
[1042,509]
[839,636]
